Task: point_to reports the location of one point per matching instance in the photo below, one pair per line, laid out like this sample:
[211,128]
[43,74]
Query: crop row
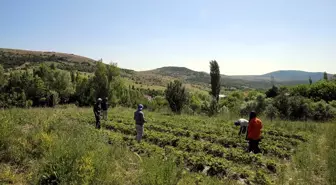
[193,146]
[226,129]
[194,162]
[276,148]
[279,139]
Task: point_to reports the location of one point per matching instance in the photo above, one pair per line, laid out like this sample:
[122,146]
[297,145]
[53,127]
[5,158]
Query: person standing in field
[139,118]
[243,123]
[254,133]
[97,111]
[104,106]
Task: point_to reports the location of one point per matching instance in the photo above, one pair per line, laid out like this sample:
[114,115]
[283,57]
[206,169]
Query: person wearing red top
[254,133]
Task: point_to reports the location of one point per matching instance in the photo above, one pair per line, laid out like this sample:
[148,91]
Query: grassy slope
[36,143]
[315,161]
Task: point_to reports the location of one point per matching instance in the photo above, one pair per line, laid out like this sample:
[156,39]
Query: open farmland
[61,145]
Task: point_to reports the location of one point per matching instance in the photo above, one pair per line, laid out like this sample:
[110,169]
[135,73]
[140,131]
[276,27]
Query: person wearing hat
[96,111]
[104,106]
[243,123]
[139,118]
[254,133]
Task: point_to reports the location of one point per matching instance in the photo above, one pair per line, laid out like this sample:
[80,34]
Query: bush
[272,92]
[281,103]
[29,103]
[214,107]
[271,112]
[261,103]
[176,96]
[333,103]
[247,107]
[299,108]
[321,111]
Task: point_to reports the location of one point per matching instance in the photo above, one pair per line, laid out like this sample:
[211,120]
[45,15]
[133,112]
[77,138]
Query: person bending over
[243,123]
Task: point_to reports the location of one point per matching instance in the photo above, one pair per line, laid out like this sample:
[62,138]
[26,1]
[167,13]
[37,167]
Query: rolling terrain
[13,59]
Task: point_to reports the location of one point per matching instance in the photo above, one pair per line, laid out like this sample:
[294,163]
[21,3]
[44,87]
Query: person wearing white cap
[139,118]
[96,111]
[243,123]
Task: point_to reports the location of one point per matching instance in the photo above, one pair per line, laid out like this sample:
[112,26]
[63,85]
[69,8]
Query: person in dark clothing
[104,106]
[139,118]
[96,111]
[254,133]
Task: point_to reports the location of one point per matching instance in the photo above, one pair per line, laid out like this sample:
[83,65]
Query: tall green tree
[101,81]
[310,81]
[63,85]
[215,79]
[176,96]
[112,71]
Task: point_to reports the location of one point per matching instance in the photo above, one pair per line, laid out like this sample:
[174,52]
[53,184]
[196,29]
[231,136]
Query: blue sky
[244,36]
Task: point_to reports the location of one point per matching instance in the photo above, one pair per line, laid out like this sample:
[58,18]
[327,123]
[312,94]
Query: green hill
[13,59]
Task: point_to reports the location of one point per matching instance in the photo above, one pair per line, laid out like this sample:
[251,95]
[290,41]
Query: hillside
[13,59]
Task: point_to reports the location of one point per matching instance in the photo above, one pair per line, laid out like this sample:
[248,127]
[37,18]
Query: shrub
[271,112]
[299,108]
[29,103]
[261,103]
[333,103]
[248,107]
[272,92]
[322,111]
[214,107]
[281,102]
[176,96]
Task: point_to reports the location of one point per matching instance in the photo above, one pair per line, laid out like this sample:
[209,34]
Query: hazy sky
[244,36]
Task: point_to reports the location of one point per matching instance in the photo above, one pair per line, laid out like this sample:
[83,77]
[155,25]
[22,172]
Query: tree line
[47,85]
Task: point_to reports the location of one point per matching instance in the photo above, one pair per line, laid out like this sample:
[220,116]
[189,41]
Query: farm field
[46,146]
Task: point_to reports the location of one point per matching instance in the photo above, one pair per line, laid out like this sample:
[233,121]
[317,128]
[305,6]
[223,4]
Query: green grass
[45,146]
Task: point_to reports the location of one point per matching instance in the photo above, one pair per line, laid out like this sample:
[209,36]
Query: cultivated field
[49,146]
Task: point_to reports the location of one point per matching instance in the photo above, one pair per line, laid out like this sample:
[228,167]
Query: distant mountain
[284,76]
[292,75]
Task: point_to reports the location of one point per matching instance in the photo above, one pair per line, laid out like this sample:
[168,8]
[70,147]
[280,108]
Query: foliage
[176,96]
[101,81]
[271,112]
[214,107]
[323,111]
[272,92]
